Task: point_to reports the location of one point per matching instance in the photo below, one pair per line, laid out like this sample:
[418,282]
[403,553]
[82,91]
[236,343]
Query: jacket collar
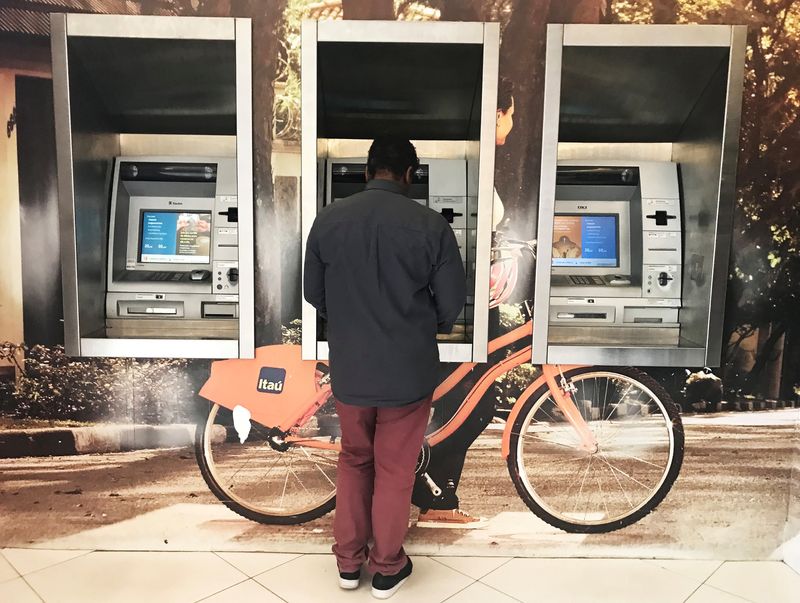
[386,185]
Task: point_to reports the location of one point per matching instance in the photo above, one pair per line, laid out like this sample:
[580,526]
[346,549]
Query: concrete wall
[10,245]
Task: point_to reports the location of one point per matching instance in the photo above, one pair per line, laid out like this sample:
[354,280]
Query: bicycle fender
[277,386]
[516,410]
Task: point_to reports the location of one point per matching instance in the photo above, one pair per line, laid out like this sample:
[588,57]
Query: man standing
[387,275]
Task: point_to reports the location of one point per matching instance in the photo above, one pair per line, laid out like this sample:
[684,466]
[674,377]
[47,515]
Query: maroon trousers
[375,477]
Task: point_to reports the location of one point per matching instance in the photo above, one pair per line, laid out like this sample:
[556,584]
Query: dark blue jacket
[387,275]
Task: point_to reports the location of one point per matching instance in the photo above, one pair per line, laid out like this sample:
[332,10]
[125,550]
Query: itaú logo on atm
[271,380]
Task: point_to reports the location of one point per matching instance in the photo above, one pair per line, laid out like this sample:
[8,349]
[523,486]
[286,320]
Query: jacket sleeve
[314,273]
[448,281]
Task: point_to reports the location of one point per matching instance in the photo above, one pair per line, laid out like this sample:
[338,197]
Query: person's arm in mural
[314,274]
[448,282]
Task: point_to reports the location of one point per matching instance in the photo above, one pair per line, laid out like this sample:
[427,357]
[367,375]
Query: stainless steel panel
[624,94]
[159,329]
[162,86]
[66,201]
[639,336]
[95,142]
[309,181]
[491,57]
[699,153]
[646,35]
[588,151]
[244,186]
[430,91]
[626,356]
[448,352]
[162,348]
[139,26]
[547,191]
[727,193]
[439,32]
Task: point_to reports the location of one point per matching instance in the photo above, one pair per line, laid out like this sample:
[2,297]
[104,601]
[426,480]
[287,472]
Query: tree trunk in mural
[463,10]
[665,11]
[379,10]
[577,11]
[522,61]
[267,17]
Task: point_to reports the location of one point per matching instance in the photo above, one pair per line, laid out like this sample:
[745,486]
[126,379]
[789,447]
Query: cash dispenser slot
[219,310]
[143,309]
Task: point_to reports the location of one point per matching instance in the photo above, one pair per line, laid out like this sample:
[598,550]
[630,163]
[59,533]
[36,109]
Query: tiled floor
[171,577]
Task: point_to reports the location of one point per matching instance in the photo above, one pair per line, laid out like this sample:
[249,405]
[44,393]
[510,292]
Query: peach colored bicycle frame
[550,376]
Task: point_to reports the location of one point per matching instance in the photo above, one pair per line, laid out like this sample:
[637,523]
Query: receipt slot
[434,84]
[154,148]
[640,140]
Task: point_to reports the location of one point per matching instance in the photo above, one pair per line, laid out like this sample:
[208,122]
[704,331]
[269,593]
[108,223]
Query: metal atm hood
[160,86]
[418,91]
[632,94]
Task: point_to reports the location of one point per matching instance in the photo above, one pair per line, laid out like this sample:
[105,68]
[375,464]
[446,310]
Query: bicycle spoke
[283,494]
[617,469]
[320,469]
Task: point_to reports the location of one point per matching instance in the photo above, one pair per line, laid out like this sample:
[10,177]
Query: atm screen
[175,237]
[586,240]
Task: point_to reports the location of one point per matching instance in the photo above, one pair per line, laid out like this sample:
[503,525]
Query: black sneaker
[349,580]
[384,587]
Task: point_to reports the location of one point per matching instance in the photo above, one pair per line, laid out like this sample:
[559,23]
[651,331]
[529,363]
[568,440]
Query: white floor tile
[314,578]
[697,570]
[253,564]
[590,581]
[26,561]
[119,577]
[759,581]
[473,567]
[480,593]
[709,594]
[17,591]
[7,571]
[244,592]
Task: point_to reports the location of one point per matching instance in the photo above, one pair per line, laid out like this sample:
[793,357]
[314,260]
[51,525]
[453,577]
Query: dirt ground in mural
[729,502]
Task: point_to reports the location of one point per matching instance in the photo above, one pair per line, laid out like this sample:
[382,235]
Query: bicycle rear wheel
[640,450]
[267,485]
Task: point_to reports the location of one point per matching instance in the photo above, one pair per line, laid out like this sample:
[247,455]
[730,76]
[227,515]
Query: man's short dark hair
[392,154]
[505,94]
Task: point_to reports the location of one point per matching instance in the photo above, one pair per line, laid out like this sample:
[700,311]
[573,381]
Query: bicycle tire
[200,447]
[672,472]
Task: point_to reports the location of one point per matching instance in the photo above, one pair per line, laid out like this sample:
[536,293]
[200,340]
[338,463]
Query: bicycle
[613,434]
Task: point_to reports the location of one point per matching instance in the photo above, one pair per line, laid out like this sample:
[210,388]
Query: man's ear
[409,175]
[366,174]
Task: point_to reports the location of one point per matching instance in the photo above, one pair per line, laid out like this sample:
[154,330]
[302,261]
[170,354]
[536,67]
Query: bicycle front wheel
[271,486]
[639,451]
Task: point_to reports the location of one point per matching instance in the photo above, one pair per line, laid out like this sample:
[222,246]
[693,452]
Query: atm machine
[153,124]
[637,189]
[433,83]
[173,268]
[616,253]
